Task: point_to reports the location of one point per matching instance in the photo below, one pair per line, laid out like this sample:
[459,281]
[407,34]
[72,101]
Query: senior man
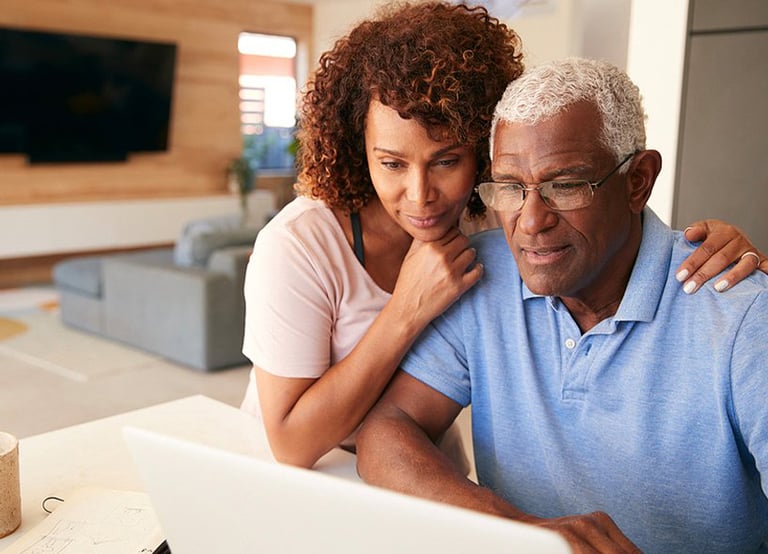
[607,404]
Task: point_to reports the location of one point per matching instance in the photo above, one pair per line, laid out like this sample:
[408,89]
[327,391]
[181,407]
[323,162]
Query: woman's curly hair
[444,65]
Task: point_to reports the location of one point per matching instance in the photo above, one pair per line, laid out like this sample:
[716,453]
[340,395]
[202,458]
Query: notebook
[211,500]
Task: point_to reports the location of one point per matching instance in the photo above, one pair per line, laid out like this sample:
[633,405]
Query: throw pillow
[202,237]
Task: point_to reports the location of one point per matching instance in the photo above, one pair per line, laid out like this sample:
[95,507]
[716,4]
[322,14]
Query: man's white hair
[546,90]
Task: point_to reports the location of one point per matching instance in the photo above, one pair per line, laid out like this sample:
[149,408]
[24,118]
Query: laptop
[211,500]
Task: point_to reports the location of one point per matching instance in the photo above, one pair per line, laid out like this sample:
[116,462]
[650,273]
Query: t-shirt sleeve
[438,358]
[288,319]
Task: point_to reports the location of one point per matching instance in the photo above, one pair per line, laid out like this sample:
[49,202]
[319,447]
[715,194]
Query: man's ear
[643,170]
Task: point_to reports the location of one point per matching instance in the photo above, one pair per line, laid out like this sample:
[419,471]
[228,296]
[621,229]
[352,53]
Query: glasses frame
[593,185]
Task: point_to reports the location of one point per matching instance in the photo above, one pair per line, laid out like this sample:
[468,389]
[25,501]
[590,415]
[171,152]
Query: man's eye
[392,165]
[566,186]
[510,188]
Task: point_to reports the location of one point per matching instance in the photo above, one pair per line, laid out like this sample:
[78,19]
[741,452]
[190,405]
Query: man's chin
[542,286]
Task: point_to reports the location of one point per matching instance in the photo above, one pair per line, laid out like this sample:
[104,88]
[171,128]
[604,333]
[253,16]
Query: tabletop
[93,454]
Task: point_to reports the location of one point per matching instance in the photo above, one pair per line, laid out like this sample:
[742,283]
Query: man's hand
[589,533]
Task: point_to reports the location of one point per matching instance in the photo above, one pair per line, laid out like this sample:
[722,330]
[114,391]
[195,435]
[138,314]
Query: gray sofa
[183,303]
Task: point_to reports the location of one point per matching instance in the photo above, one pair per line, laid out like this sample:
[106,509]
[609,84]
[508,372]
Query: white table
[94,454]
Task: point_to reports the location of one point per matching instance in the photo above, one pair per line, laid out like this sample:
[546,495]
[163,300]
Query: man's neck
[588,315]
[601,299]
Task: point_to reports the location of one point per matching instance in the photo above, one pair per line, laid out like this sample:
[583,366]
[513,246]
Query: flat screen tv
[80,98]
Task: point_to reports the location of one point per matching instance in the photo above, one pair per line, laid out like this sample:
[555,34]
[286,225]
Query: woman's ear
[641,176]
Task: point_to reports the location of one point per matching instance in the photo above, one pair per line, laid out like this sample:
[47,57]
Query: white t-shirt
[308,299]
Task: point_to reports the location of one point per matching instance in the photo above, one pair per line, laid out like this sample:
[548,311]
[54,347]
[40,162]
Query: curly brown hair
[444,65]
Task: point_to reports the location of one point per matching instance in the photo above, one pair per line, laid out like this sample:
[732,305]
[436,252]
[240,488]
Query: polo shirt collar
[651,272]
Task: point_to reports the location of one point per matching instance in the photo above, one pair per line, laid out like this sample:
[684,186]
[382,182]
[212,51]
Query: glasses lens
[501,196]
[566,195]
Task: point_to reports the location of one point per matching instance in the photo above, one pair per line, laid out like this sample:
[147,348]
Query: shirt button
[570,344]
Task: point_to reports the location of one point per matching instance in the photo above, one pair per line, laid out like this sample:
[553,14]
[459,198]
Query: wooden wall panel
[205,130]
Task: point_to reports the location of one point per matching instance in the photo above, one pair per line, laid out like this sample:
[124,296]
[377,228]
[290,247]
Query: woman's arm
[305,418]
[723,245]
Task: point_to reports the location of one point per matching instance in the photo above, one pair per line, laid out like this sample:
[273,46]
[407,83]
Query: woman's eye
[448,162]
[392,165]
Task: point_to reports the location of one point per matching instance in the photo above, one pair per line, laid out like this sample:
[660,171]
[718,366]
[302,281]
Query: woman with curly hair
[393,137]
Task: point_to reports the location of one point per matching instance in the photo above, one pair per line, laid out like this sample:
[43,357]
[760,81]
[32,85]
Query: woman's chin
[429,234]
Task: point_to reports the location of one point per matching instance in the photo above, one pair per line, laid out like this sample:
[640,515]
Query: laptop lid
[210,500]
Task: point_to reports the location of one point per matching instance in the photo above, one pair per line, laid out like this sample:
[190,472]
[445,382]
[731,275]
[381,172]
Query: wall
[205,127]
[656,62]
[550,29]
[333,18]
[603,30]
[547,32]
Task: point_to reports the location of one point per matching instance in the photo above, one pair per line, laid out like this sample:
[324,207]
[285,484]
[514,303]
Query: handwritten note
[96,521]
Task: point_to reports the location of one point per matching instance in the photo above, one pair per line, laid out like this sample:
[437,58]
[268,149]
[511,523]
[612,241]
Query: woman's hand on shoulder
[435,274]
[723,244]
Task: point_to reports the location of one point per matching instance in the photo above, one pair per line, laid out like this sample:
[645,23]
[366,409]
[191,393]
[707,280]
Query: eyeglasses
[561,195]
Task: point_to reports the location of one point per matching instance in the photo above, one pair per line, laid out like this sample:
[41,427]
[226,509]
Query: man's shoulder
[491,239]
[494,253]
[718,315]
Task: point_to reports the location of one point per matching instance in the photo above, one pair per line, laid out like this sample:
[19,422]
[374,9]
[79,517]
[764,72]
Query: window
[267,99]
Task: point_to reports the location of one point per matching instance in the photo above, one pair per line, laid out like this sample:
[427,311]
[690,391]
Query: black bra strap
[357,237]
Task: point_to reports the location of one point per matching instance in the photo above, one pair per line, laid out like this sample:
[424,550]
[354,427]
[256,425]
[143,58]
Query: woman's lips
[423,222]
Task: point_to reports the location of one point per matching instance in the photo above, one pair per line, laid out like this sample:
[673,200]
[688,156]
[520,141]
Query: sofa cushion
[81,274]
[200,238]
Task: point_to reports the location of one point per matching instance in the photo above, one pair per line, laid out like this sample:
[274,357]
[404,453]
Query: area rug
[25,300]
[34,334]
[10,327]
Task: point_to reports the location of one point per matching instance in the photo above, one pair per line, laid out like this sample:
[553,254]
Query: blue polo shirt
[657,416]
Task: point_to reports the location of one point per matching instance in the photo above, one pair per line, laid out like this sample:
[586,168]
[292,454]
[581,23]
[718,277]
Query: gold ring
[757,258]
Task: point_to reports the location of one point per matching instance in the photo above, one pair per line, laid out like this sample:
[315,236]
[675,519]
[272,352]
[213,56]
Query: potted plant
[240,179]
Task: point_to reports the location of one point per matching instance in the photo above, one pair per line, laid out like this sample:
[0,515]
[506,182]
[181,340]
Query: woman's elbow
[292,452]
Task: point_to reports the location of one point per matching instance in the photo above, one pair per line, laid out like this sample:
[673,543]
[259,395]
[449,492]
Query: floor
[53,376]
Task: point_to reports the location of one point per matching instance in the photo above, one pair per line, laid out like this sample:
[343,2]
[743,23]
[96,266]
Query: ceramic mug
[10,493]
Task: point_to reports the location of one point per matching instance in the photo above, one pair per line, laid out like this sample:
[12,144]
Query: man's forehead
[577,128]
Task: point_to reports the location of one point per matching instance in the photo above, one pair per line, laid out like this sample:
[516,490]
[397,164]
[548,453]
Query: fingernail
[689,287]
[720,286]
[686,229]
[681,275]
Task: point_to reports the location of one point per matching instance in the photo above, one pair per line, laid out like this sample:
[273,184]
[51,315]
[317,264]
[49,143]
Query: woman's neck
[385,244]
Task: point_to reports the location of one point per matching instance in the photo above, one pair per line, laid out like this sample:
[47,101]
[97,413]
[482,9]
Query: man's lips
[540,255]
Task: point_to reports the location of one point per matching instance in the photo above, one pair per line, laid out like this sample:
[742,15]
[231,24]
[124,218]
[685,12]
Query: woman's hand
[434,275]
[723,245]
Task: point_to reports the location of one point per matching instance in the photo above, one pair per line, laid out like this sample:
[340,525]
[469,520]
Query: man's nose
[535,216]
